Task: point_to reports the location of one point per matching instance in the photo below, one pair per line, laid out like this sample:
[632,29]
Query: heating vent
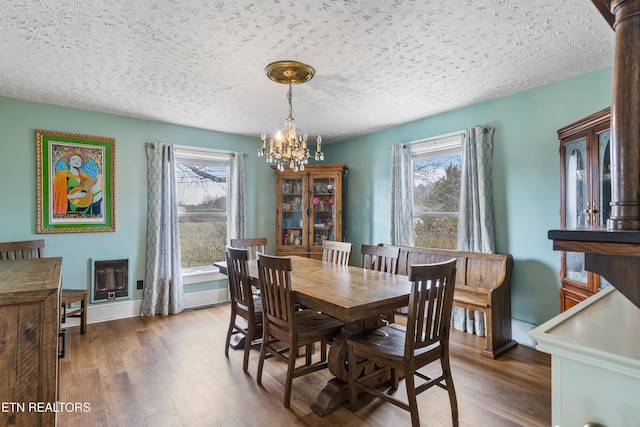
[110,280]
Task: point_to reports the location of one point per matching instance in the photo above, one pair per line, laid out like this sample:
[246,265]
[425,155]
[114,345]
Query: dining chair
[380,258]
[29,249]
[384,259]
[244,304]
[253,244]
[425,340]
[288,327]
[336,252]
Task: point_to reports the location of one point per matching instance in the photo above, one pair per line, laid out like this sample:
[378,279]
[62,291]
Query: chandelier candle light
[290,144]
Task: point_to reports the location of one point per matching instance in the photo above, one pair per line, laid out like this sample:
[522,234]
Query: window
[202,183]
[437,165]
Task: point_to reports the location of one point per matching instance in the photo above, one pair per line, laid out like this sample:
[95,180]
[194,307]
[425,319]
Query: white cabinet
[595,361]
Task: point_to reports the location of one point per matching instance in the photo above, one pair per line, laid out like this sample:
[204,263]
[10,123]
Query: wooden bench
[483,283]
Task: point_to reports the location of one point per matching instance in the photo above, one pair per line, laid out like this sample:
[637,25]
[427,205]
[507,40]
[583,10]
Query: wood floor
[171,371]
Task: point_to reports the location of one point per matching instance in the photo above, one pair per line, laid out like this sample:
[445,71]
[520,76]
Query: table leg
[83,319]
[336,392]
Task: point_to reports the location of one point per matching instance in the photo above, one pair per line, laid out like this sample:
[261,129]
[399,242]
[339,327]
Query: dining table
[356,296]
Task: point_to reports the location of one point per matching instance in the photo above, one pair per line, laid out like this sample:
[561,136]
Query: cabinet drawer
[571,297]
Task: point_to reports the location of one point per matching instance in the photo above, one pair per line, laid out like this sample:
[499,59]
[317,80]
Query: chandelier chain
[290,99]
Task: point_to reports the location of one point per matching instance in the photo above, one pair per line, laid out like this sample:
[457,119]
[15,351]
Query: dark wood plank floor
[171,371]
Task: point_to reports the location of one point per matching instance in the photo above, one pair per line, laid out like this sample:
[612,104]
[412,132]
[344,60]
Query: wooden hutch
[308,209]
[585,197]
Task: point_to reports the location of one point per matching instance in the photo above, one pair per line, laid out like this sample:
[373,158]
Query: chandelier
[289,146]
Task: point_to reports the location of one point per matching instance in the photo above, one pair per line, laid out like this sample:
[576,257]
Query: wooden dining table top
[345,292]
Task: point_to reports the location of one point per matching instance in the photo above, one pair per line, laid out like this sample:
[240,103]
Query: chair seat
[73,295]
[387,340]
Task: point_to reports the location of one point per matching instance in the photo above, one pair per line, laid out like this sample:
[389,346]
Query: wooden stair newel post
[614,252]
[625,118]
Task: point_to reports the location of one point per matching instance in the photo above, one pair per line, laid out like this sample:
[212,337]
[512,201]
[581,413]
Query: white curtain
[475,221]
[237,220]
[163,292]
[401,203]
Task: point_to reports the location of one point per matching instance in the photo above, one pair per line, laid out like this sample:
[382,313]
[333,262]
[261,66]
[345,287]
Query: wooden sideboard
[29,333]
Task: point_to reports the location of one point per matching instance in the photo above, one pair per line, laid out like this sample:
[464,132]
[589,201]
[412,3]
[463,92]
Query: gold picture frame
[75,183]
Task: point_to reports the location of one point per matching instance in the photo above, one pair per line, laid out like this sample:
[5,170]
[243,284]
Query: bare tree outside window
[202,209]
[436,198]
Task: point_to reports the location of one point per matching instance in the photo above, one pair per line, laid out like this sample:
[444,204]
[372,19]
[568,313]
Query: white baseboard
[520,333]
[103,312]
[205,298]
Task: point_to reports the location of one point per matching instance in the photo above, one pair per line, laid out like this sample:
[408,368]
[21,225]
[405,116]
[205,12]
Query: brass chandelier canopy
[289,146]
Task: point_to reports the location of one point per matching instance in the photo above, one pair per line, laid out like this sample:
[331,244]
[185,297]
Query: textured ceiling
[378,63]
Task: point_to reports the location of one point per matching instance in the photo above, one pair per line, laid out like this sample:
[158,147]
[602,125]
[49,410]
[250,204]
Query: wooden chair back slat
[430,304]
[239,277]
[336,252]
[25,249]
[275,288]
[380,258]
[253,244]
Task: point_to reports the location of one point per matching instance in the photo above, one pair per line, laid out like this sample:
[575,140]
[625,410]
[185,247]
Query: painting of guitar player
[75,182]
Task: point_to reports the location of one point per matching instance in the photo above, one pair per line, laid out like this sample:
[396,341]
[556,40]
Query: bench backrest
[488,271]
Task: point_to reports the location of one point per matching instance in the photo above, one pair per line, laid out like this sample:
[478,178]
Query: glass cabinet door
[293,210]
[576,179]
[575,193]
[324,210]
[604,186]
[604,178]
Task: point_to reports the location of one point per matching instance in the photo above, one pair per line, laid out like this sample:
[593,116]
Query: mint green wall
[526,178]
[19,121]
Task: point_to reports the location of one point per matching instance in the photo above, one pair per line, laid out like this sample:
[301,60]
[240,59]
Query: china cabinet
[308,209]
[585,196]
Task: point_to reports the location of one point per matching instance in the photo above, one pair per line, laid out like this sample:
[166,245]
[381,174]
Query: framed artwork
[75,183]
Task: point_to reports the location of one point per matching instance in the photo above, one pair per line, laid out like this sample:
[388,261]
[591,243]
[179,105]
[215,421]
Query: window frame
[438,146]
[184,154]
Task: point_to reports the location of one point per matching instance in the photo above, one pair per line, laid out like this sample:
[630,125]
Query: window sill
[202,275]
